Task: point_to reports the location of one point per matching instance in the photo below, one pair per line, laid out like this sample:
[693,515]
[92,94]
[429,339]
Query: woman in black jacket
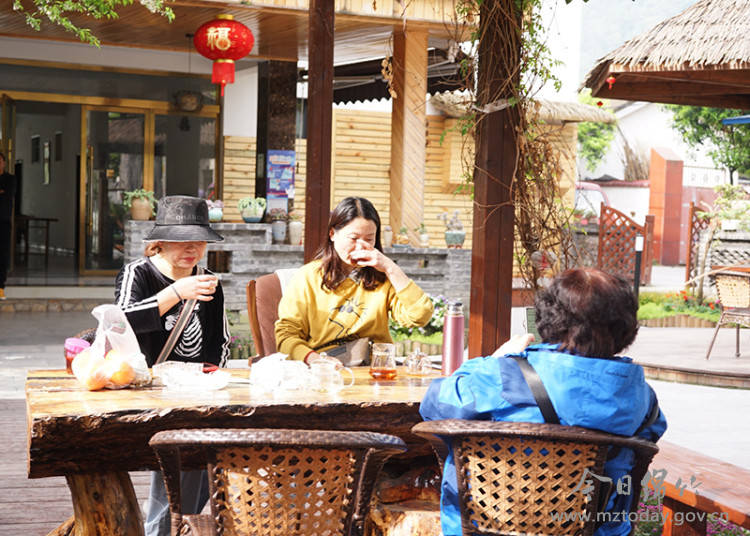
[152,292]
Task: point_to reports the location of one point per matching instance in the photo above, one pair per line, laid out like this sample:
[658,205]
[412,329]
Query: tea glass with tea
[383,361]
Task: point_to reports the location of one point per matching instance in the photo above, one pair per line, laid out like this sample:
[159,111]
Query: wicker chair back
[528,478]
[733,290]
[276,482]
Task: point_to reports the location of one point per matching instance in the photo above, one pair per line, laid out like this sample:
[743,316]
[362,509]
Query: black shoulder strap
[651,417]
[538,390]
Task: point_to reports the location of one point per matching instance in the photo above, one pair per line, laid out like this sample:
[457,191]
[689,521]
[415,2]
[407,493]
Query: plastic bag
[276,372]
[179,375]
[114,360]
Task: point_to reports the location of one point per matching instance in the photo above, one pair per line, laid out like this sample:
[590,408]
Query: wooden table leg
[682,520]
[65,529]
[104,504]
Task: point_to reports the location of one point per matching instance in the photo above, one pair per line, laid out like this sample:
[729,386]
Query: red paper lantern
[611,81]
[223,40]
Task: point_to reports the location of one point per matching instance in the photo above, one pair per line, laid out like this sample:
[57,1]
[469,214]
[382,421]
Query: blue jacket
[604,394]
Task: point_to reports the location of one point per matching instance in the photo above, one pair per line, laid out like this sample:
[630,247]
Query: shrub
[432,332]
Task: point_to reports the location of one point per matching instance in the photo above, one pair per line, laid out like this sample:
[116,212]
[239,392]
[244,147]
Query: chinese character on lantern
[223,40]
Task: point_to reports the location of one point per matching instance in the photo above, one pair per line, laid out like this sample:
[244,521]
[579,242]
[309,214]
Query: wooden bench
[696,486]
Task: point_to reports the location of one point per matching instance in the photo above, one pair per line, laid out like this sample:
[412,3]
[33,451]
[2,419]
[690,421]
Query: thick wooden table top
[74,431]
[703,482]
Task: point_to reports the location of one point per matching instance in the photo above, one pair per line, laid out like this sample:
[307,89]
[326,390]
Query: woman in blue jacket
[585,318]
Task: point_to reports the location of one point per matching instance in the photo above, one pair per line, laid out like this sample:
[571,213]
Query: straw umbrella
[699,57]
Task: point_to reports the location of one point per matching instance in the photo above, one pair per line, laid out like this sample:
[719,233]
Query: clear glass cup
[383,361]
[418,364]
[328,378]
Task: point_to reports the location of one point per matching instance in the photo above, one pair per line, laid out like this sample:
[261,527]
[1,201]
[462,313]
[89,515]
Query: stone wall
[250,254]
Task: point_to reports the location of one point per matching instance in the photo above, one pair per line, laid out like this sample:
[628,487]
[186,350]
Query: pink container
[453,338]
[73,347]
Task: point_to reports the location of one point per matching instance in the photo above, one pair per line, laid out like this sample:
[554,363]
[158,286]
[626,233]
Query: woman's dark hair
[588,312]
[334,269]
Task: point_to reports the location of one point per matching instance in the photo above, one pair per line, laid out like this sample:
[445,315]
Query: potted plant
[215,210]
[454,230]
[140,202]
[424,237]
[295,229]
[278,217]
[402,238]
[252,208]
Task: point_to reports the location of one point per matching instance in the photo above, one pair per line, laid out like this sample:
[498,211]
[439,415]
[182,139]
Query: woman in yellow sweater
[349,290]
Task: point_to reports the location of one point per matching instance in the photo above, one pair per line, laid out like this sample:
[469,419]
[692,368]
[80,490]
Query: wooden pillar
[492,249]
[408,130]
[319,111]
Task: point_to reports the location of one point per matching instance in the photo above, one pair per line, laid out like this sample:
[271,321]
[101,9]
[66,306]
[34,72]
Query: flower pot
[424,240]
[455,239]
[387,236]
[295,233]
[251,215]
[141,209]
[278,230]
[215,214]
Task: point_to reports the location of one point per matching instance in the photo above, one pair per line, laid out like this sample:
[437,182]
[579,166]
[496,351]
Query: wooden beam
[408,130]
[319,111]
[656,88]
[492,249]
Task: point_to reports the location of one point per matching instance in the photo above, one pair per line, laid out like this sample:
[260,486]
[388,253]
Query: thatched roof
[455,104]
[700,56]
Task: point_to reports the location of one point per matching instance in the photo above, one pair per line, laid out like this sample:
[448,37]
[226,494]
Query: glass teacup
[327,377]
[418,364]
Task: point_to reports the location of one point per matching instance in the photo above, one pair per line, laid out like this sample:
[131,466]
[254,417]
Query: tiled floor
[60,271]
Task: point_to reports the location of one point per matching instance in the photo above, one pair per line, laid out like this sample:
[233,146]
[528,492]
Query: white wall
[109,56]
[645,125]
[631,200]
[240,104]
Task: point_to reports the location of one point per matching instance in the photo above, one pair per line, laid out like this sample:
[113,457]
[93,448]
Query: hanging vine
[512,36]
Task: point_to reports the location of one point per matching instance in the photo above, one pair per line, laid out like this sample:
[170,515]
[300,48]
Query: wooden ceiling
[280,34]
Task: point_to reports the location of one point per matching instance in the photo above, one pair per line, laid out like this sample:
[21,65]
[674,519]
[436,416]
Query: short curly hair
[588,312]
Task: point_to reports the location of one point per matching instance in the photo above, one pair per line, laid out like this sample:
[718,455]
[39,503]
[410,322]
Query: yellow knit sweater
[310,317]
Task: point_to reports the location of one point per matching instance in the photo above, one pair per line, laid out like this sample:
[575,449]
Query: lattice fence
[617,234]
[698,224]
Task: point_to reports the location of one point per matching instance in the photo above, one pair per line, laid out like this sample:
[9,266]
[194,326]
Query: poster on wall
[280,174]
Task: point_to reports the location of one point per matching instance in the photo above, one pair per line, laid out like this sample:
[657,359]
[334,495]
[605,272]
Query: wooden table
[94,437]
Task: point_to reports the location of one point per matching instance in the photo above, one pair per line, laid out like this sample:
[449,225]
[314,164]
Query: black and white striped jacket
[206,336]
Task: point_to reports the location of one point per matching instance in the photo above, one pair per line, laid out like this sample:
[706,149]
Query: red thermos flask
[453,338]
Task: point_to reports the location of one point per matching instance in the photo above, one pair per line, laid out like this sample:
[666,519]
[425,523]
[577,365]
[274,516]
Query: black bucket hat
[181,218]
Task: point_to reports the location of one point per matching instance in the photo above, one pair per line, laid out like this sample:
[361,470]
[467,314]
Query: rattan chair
[734,294]
[275,482]
[516,478]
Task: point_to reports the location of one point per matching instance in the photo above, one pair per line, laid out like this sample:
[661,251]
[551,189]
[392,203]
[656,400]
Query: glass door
[113,142]
[8,148]
[8,133]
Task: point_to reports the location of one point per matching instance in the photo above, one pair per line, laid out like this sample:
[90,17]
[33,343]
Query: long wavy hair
[334,269]
[588,312]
